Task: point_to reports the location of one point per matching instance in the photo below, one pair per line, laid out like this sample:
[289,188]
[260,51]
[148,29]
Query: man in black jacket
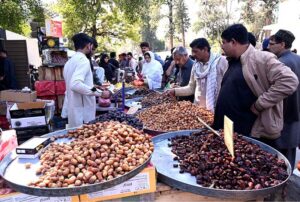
[113,61]
[7,72]
[280,44]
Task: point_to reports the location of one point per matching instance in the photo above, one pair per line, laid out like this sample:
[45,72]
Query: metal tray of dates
[13,171]
[163,159]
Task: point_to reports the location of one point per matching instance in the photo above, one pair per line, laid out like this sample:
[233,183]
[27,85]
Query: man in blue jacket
[280,44]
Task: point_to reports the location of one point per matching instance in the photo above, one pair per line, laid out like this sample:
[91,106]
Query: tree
[258,13]
[150,15]
[15,14]
[170,16]
[182,20]
[102,19]
[213,18]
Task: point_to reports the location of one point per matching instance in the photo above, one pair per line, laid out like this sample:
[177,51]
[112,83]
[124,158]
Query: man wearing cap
[280,44]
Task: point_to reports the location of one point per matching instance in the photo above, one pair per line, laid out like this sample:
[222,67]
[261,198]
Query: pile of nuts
[156,98]
[175,116]
[115,115]
[205,156]
[98,153]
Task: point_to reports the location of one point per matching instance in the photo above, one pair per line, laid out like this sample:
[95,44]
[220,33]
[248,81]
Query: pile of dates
[98,153]
[156,98]
[138,93]
[115,115]
[175,116]
[205,156]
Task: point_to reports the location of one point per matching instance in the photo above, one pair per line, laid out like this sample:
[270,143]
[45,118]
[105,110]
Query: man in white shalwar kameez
[80,89]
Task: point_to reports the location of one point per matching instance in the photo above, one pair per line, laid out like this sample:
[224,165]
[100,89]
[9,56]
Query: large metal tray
[13,171]
[162,158]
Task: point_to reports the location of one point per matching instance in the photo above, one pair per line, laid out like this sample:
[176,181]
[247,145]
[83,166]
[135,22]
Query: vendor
[81,102]
[206,75]
[152,71]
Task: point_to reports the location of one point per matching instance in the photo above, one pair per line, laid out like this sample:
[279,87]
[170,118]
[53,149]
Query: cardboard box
[33,147]
[142,183]
[51,73]
[18,96]
[24,134]
[59,73]
[28,109]
[28,122]
[60,101]
[19,197]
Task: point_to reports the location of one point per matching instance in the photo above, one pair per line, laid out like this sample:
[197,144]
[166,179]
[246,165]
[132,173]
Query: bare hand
[170,92]
[254,110]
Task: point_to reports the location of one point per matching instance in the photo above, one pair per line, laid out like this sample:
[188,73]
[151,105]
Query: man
[167,77]
[280,44]
[206,75]
[81,103]
[7,72]
[145,47]
[113,60]
[253,87]
[123,62]
[183,70]
[96,78]
[131,61]
[98,72]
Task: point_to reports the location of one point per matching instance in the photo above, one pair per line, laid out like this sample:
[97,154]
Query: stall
[114,158]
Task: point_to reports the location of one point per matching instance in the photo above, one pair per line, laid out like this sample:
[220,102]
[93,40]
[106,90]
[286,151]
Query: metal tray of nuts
[13,171]
[162,158]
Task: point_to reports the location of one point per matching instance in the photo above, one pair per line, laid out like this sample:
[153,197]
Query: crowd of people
[257,89]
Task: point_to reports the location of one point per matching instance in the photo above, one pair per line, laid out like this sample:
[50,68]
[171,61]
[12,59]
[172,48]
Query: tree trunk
[183,33]
[171,25]
[94,31]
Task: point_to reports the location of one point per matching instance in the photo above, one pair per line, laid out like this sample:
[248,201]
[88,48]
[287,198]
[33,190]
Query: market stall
[181,174]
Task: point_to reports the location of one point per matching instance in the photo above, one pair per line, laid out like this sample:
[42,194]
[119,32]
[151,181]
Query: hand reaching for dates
[169,92]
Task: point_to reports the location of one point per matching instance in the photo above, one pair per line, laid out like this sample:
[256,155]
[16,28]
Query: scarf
[211,82]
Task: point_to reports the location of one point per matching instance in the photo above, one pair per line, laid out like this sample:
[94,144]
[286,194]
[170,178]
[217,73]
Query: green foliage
[110,22]
[214,17]
[258,13]
[150,16]
[182,20]
[15,14]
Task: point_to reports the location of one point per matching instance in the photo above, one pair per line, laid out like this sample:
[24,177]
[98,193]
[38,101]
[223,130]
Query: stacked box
[29,119]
